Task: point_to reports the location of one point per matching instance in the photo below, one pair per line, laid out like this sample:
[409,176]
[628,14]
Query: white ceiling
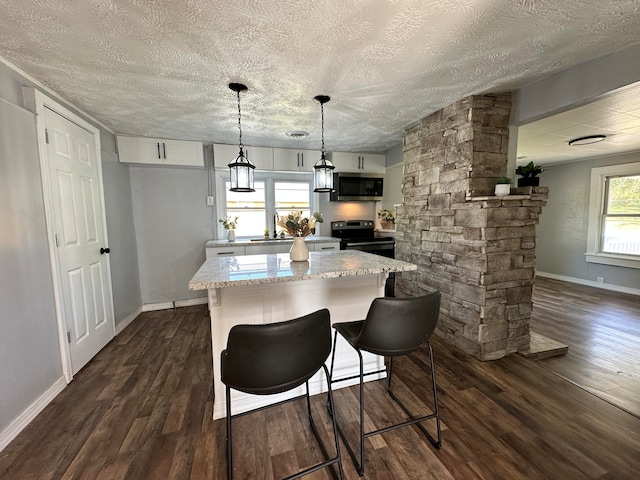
[616,115]
[161,67]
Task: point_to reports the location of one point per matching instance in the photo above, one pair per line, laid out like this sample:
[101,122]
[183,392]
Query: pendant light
[323,169]
[241,169]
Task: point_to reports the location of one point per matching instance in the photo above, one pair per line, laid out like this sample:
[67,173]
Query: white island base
[260,289]
[347,298]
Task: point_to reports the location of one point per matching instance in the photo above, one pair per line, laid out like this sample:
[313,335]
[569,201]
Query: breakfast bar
[255,289]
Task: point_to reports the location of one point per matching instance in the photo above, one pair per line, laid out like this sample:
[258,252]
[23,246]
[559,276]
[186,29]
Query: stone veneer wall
[478,250]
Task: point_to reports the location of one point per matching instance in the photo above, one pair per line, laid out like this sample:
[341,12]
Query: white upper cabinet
[291,160]
[261,157]
[358,162]
[158,151]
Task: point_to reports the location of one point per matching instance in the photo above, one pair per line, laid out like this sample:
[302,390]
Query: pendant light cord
[322,130]
[239,123]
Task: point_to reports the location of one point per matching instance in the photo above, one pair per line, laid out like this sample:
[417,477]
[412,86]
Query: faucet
[275,225]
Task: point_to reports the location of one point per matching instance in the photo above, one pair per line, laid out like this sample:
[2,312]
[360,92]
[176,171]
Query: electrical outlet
[600,279]
[210,200]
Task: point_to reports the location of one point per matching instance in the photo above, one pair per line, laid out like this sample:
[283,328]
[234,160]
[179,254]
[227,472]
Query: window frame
[597,203]
[269,178]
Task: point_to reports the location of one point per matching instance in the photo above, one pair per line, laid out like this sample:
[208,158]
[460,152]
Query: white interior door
[78,224]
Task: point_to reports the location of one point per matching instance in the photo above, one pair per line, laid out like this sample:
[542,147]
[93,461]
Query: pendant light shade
[241,169]
[323,169]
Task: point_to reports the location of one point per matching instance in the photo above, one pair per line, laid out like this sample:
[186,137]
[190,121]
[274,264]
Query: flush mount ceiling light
[241,169]
[297,134]
[587,140]
[323,169]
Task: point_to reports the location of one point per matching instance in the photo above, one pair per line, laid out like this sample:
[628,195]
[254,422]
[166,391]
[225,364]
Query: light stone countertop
[244,241]
[272,268]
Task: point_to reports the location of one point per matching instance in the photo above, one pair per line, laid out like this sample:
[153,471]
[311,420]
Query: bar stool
[273,358]
[393,327]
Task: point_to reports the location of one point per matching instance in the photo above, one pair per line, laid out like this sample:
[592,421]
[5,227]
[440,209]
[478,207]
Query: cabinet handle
[298,159]
[158,144]
[328,248]
[224,253]
[104,250]
[302,159]
[164,150]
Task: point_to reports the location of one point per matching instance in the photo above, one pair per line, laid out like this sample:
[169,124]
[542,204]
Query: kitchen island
[256,289]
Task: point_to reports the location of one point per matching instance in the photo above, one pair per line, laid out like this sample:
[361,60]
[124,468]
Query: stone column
[478,250]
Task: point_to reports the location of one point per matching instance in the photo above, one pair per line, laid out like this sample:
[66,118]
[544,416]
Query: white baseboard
[20,422]
[191,302]
[150,307]
[590,283]
[127,320]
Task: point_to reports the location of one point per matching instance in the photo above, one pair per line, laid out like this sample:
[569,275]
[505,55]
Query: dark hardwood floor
[602,329]
[142,410]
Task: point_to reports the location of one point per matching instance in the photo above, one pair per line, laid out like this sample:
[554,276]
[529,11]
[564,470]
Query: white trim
[190,302]
[52,94]
[151,307]
[127,320]
[596,202]
[613,259]
[21,421]
[590,283]
[38,102]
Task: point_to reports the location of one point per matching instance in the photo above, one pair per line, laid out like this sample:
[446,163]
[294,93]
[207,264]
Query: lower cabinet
[325,246]
[224,251]
[259,249]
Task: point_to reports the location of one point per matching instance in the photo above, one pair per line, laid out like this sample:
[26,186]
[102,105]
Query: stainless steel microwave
[357,186]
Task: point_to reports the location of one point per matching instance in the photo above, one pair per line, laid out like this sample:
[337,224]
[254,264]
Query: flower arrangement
[298,226]
[228,223]
[387,216]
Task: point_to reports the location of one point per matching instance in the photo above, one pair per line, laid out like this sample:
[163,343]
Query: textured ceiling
[161,68]
[615,115]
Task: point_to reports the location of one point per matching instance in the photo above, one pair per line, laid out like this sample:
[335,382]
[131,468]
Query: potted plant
[503,187]
[230,225]
[387,219]
[529,174]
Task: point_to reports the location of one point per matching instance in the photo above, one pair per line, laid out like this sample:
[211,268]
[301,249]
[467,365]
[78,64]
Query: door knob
[104,250]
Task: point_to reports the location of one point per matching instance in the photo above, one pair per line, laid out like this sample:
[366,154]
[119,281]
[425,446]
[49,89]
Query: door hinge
[68,336]
[57,237]
[46,135]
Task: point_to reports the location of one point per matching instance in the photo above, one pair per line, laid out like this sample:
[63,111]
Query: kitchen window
[614,216]
[274,193]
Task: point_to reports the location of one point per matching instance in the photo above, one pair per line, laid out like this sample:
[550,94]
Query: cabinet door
[326,246]
[372,163]
[139,150]
[259,249]
[358,162]
[183,153]
[290,160]
[261,157]
[224,251]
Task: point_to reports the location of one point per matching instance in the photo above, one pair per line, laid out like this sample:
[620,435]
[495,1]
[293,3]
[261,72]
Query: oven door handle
[366,244]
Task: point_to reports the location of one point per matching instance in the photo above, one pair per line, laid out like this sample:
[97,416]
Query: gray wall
[172,222]
[29,347]
[562,232]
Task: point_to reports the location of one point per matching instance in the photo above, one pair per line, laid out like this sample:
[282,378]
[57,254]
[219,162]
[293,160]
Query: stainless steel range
[360,235]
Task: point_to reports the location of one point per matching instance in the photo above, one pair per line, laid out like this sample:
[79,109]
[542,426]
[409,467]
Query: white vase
[502,189]
[231,236]
[299,251]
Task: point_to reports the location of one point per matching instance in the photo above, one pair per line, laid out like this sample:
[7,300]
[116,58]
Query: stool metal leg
[229,437]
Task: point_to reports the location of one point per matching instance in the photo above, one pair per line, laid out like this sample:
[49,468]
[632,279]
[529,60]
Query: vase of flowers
[387,219]
[230,225]
[299,227]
